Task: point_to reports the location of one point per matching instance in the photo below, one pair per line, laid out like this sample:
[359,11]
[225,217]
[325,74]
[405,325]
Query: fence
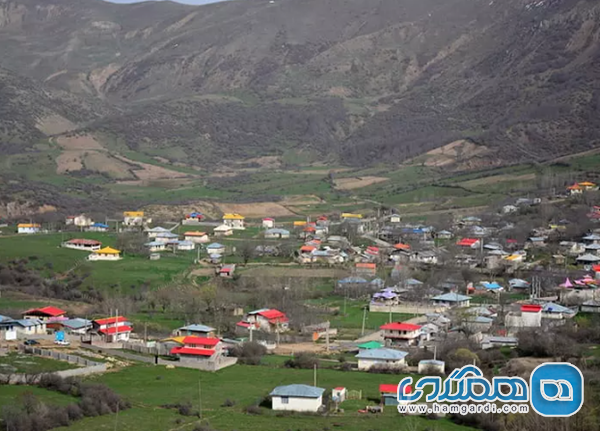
[88,367]
[405,309]
[206,365]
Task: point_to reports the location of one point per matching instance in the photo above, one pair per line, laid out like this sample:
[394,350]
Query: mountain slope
[360,81]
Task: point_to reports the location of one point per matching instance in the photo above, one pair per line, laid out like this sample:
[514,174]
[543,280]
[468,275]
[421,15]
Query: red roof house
[398,333]
[44,313]
[268,320]
[113,329]
[468,242]
[197,348]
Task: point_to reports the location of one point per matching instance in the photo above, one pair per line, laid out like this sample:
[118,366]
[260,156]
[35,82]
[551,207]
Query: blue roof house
[452,299]
[297,398]
[383,357]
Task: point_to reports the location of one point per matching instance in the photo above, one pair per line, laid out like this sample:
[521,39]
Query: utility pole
[390,314]
[362,332]
[315,375]
[200,398]
[117,416]
[327,335]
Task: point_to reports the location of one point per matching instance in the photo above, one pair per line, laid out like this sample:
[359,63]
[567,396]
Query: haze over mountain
[351,81]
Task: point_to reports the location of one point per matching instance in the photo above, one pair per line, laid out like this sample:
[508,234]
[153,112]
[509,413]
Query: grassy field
[9,393]
[44,253]
[28,364]
[148,388]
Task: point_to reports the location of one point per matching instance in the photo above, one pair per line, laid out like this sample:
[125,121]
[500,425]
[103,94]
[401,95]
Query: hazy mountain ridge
[358,80]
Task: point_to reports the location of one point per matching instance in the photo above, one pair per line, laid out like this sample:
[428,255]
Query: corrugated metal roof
[299,391]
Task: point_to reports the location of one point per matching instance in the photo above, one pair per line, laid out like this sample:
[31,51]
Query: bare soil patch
[151,172]
[54,125]
[497,179]
[79,142]
[258,209]
[69,161]
[286,271]
[288,349]
[302,200]
[102,162]
[455,152]
[358,182]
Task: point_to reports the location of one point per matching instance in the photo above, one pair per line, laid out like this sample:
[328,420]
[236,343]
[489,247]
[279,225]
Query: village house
[529,317]
[223,230]
[28,228]
[590,306]
[183,245]
[431,366]
[536,242]
[551,310]
[234,221]
[215,248]
[8,329]
[166,237]
[80,221]
[156,246]
[469,221]
[490,342]
[386,297]
[77,326]
[381,357]
[452,299]
[267,320]
[394,218]
[98,227]
[28,327]
[444,235]
[196,237]
[365,269]
[587,259]
[398,333]
[153,232]
[426,257]
[297,398]
[198,349]
[106,253]
[193,218]
[134,218]
[82,244]
[113,329]
[195,330]
[44,314]
[268,222]
[473,243]
[277,233]
[226,271]
[389,394]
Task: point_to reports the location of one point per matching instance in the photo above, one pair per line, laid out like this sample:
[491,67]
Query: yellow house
[133,218]
[350,215]
[28,228]
[299,223]
[234,221]
[106,253]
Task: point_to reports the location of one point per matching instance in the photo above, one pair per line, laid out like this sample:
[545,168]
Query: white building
[113,329]
[223,230]
[153,232]
[8,329]
[276,233]
[297,398]
[215,248]
[268,222]
[196,237]
[106,253]
[185,245]
[530,317]
[234,221]
[431,365]
[28,228]
[80,221]
[383,357]
[83,244]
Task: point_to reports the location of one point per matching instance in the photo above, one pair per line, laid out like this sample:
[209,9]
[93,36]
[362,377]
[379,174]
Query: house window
[285,400]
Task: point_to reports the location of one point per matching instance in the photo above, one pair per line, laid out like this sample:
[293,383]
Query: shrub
[253,410]
[303,360]
[249,353]
[228,403]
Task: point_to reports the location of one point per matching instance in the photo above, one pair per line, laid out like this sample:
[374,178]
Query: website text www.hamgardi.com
[462,409]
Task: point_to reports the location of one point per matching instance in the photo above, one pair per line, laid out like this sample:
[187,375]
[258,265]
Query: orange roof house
[401,246]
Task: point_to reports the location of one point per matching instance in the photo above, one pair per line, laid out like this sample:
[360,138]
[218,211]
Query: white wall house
[235,221]
[8,329]
[297,398]
[106,253]
[82,244]
[28,228]
[196,237]
[381,357]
